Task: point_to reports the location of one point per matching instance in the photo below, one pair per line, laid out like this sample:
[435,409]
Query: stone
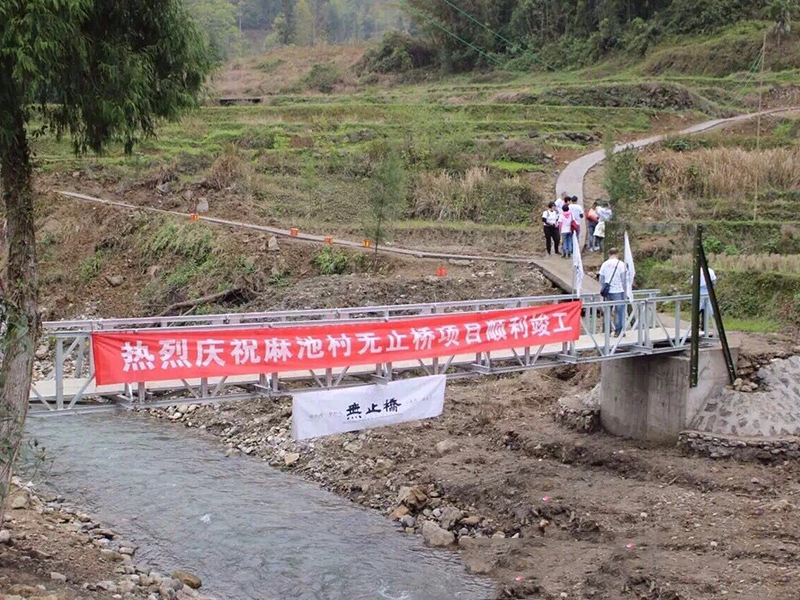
[470,521]
[5,536]
[126,587]
[107,586]
[43,350]
[459,262]
[202,205]
[398,513]
[436,536]
[189,579]
[58,577]
[447,446]
[355,446]
[172,583]
[408,522]
[112,555]
[450,517]
[476,563]
[154,271]
[20,500]
[291,458]
[412,497]
[115,280]
[272,244]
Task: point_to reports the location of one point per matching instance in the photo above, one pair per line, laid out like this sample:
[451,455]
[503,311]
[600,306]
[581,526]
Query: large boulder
[436,536]
[450,517]
[414,498]
[189,579]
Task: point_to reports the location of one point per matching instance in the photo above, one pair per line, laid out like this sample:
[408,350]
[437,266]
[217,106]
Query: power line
[493,32]
[460,39]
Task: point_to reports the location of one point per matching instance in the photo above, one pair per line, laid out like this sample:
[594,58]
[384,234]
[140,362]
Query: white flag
[630,269]
[577,264]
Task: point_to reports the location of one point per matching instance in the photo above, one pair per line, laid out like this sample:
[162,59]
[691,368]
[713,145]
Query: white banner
[577,265]
[630,269]
[326,412]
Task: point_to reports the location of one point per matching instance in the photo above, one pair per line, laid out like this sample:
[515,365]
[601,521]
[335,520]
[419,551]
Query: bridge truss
[653,325]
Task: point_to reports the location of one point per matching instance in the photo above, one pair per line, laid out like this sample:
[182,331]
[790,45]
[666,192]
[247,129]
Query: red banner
[159,355]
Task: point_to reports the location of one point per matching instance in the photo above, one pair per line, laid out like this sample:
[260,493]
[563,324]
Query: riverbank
[52,551]
[546,512]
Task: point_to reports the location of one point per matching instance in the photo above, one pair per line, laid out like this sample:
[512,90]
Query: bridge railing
[652,324]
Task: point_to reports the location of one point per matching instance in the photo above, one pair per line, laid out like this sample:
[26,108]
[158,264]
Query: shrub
[396,53]
[623,177]
[331,262]
[322,77]
[228,170]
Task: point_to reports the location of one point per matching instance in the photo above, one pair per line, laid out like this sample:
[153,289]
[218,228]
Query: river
[250,531]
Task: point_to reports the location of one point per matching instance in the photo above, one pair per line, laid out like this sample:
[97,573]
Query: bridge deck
[46,389]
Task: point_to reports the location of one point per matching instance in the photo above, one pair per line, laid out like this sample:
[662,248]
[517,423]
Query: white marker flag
[326,412]
[577,264]
[630,269]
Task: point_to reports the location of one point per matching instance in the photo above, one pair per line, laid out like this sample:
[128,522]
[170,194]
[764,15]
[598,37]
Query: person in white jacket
[614,273]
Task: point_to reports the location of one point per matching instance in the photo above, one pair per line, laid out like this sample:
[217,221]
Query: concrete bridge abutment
[649,398]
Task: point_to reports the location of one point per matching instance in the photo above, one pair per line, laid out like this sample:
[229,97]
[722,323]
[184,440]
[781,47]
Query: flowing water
[250,531]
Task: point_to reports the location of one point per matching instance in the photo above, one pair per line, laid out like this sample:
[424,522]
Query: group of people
[565,216]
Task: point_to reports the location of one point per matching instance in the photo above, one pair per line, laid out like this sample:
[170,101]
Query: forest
[465,34]
[552,34]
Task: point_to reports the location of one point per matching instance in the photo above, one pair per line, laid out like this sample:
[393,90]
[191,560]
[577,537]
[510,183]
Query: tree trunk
[21,299]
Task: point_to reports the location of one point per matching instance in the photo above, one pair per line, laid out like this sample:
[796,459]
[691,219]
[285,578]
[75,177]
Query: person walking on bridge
[577,214]
[612,287]
[592,219]
[560,201]
[565,222]
[550,224]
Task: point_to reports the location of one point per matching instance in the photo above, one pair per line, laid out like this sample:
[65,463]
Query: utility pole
[758,127]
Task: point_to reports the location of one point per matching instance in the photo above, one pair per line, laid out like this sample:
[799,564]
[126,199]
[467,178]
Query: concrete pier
[649,398]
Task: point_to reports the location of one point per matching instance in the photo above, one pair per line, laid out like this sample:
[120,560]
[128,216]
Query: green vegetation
[91,266]
[513,166]
[387,196]
[331,262]
[528,34]
[622,177]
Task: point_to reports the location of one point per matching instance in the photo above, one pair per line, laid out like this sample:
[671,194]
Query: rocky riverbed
[50,550]
[546,511]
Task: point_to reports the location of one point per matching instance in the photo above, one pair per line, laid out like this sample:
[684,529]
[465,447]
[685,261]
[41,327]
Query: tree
[95,70]
[387,196]
[218,20]
[780,11]
[304,24]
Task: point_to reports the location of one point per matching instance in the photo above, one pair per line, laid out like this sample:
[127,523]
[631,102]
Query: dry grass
[442,196]
[724,172]
[762,263]
[229,171]
[281,68]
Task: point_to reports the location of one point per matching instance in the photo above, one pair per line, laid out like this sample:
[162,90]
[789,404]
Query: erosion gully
[250,531]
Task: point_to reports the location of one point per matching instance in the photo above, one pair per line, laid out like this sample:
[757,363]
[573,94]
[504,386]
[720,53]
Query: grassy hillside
[481,153]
